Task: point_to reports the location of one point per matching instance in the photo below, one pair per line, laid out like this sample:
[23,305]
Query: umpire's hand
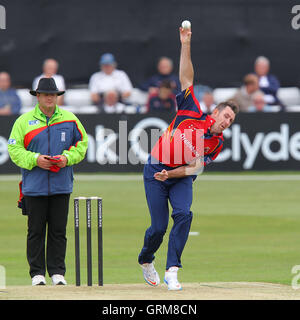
[63,161]
[44,163]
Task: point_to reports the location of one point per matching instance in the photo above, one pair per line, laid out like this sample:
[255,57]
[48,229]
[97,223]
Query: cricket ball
[186,24]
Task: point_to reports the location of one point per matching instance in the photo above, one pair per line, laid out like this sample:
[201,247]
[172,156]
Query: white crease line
[250,178]
[194,233]
[126,177]
[108,177]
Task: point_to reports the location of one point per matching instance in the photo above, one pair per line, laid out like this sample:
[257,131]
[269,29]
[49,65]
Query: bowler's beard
[215,128]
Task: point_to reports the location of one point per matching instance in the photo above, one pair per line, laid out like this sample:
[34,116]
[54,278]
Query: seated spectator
[111,102]
[268,83]
[244,96]
[50,68]
[207,103]
[200,89]
[162,100]
[164,72]
[107,79]
[259,104]
[10,102]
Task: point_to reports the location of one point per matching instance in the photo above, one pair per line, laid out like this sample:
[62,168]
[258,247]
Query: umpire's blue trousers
[179,192]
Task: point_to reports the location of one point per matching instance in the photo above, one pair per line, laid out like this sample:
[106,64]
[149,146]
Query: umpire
[46,142]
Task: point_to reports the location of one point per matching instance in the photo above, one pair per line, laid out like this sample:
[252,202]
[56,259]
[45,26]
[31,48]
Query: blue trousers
[179,192]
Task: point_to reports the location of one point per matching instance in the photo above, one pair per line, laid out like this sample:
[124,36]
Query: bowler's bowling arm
[186,69]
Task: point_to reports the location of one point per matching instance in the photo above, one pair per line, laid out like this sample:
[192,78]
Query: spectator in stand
[163,99]
[10,102]
[112,103]
[259,104]
[268,83]
[244,96]
[165,69]
[50,68]
[107,79]
[207,103]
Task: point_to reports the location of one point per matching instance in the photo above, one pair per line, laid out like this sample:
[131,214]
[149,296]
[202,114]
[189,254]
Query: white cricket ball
[186,24]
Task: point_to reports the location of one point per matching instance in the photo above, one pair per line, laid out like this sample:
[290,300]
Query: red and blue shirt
[188,137]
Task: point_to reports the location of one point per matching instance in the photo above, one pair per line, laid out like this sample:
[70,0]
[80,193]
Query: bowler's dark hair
[231,104]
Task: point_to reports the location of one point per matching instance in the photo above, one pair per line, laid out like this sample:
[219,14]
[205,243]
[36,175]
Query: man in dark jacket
[46,142]
[268,83]
[164,73]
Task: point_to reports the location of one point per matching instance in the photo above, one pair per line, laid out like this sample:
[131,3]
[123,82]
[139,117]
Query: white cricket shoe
[171,279]
[38,280]
[58,279]
[150,274]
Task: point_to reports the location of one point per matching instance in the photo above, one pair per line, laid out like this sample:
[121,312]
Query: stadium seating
[79,100]
[223,94]
[138,97]
[293,108]
[77,97]
[289,96]
[26,98]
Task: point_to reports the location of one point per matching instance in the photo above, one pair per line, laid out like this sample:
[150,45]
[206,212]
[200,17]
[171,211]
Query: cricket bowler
[173,165]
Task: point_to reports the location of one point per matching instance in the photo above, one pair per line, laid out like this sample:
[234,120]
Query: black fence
[227,37]
[121,143]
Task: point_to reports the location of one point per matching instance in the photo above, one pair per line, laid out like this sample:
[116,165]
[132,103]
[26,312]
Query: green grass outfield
[248,227]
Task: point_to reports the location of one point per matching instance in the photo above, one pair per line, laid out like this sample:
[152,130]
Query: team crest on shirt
[11,141]
[63,136]
[33,122]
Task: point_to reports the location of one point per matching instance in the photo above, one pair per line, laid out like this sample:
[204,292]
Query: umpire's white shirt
[118,80]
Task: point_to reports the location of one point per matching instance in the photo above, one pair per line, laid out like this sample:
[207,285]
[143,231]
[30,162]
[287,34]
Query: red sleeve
[210,157]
